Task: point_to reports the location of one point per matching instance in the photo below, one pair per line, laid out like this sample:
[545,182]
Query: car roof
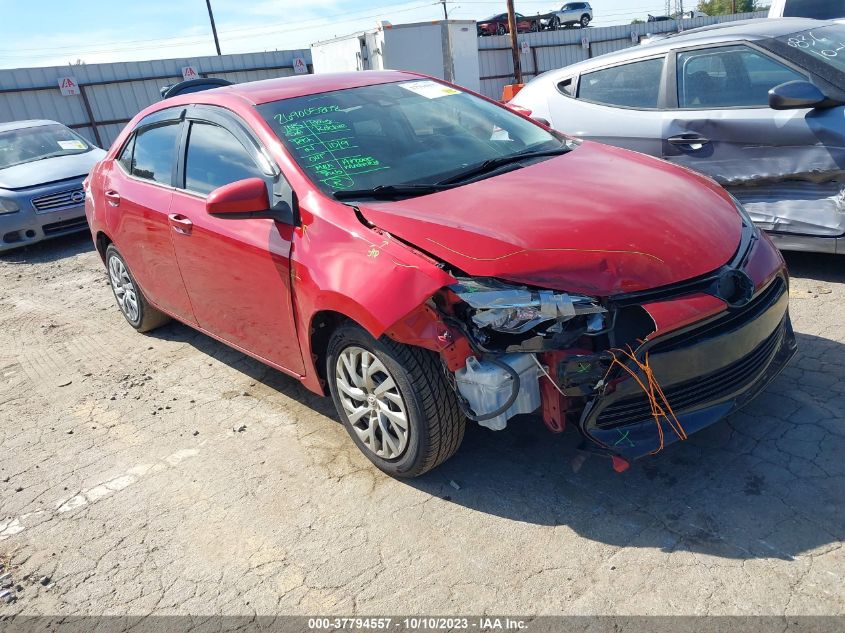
[267,90]
[19,125]
[725,32]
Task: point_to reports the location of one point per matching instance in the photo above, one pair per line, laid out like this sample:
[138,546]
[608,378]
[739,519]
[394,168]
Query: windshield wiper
[501,161]
[390,191]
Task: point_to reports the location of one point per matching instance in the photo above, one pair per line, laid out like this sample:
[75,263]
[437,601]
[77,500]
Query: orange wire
[659,403]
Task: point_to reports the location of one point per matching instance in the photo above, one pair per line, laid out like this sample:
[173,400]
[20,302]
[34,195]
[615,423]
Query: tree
[723,7]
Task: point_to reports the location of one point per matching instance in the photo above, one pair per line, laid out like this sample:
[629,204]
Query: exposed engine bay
[521,337]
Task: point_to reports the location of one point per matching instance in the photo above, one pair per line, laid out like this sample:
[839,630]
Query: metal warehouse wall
[556,49]
[111,94]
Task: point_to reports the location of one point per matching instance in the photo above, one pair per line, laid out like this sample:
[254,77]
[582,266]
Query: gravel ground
[167,473]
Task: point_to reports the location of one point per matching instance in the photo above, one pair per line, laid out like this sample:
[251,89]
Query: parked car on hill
[411,249]
[42,165]
[756,104]
[571,13]
[498,24]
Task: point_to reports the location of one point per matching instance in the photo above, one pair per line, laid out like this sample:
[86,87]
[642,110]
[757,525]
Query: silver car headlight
[8,206]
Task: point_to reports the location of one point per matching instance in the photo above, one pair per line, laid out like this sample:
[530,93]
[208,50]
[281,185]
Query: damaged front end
[635,372]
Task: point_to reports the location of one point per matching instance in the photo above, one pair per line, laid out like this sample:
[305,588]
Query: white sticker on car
[72,144]
[429,89]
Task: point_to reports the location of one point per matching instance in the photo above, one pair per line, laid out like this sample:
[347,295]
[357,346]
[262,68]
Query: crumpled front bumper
[706,371]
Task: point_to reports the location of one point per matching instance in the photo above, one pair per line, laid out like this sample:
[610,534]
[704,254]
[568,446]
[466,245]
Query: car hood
[40,172]
[598,220]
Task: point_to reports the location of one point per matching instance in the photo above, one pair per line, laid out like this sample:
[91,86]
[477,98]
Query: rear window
[818,9]
[635,85]
[29,144]
[154,153]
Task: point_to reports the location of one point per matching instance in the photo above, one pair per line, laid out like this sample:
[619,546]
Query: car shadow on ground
[768,482]
[50,250]
[818,266]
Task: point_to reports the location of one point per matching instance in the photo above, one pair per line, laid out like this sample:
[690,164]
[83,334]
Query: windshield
[825,44]
[410,132]
[28,144]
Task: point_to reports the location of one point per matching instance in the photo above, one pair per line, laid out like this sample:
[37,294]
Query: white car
[570,13]
[817,9]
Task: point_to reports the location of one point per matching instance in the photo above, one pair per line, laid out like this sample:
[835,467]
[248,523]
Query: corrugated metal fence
[555,49]
[111,94]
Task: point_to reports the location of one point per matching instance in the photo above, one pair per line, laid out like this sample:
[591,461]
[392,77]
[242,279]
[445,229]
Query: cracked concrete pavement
[168,474]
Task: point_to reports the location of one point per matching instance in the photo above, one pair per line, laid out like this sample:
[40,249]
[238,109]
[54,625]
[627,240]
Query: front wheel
[555,23]
[585,21]
[500,30]
[131,301]
[394,401]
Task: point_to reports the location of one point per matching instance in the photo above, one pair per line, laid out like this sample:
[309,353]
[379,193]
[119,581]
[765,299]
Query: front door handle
[689,141]
[180,223]
[112,197]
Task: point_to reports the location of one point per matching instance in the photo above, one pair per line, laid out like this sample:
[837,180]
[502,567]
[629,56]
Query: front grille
[59,200]
[732,320]
[692,393]
[64,225]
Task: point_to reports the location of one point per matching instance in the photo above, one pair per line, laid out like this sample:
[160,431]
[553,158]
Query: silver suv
[571,13]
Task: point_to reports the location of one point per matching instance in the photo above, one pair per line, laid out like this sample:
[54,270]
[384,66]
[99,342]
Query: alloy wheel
[124,289]
[372,402]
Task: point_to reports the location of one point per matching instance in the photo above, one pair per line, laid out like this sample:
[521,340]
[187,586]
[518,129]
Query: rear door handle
[689,140]
[180,223]
[113,197]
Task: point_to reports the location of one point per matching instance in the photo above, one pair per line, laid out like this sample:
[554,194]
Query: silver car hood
[40,172]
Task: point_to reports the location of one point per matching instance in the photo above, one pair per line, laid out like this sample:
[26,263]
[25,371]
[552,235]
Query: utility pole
[733,6]
[517,66]
[213,28]
[445,11]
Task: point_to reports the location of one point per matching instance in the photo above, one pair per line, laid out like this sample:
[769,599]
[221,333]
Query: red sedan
[426,256]
[498,25]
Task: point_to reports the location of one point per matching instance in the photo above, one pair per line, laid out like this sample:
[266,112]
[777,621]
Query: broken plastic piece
[620,464]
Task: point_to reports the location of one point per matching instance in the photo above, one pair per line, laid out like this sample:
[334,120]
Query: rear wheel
[500,30]
[131,301]
[394,401]
[585,20]
[555,23]
[535,26]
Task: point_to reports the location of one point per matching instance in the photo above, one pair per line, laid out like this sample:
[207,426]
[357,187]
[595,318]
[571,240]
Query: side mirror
[794,95]
[244,200]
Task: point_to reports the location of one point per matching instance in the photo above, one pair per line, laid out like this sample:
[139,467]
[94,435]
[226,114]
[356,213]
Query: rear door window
[216,158]
[634,85]
[154,153]
[729,77]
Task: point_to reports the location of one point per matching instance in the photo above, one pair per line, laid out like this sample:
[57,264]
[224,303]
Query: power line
[268,29]
[253,32]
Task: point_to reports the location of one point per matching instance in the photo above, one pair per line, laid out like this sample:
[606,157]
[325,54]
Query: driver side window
[216,158]
[729,77]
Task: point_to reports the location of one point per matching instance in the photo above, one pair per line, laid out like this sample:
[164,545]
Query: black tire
[585,21]
[147,317]
[435,422]
[555,23]
[535,26]
[501,30]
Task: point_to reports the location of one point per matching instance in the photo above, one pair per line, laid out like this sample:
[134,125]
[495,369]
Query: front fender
[364,274]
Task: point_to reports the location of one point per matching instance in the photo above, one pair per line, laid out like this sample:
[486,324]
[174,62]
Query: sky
[58,32]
